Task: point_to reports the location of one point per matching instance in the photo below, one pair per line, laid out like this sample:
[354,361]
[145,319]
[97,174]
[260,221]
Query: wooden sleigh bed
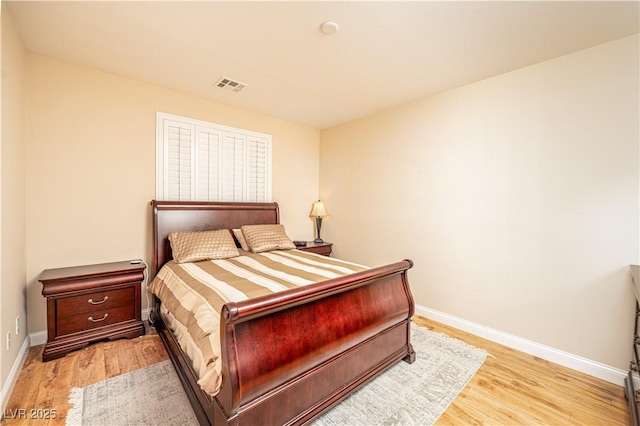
[298,374]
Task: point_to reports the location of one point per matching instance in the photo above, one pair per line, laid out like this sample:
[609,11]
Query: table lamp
[318,211]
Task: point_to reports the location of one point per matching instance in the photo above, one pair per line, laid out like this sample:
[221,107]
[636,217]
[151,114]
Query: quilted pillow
[262,238]
[202,245]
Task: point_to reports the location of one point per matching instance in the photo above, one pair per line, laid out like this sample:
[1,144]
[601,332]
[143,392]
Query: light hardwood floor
[514,388]
[511,388]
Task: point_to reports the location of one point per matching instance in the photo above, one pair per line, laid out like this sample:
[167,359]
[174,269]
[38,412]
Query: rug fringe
[76,400]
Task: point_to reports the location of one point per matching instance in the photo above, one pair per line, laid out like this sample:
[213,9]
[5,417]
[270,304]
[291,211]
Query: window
[203,161]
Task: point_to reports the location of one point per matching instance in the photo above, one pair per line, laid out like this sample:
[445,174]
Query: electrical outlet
[17,326]
[8,340]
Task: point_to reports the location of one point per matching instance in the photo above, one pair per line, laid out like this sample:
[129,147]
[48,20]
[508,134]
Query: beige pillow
[203,245]
[262,238]
[240,237]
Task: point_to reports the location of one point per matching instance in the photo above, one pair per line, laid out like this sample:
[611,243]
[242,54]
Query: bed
[275,368]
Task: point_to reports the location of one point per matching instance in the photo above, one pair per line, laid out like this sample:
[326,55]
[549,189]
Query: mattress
[192,296]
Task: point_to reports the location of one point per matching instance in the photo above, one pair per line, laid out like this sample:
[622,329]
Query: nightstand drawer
[90,302]
[98,318]
[325,251]
[318,248]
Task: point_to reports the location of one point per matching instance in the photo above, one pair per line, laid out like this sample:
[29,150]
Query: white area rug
[406,394]
[412,394]
[148,396]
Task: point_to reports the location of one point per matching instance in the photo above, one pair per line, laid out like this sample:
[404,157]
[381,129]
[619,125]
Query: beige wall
[517,197]
[91,166]
[12,200]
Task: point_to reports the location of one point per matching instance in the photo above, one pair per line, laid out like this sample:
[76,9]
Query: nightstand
[90,303]
[319,248]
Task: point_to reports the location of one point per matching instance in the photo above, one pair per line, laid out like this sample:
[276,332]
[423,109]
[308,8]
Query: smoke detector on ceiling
[329,27]
[230,84]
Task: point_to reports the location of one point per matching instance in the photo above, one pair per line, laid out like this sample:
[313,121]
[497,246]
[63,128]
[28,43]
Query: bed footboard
[289,356]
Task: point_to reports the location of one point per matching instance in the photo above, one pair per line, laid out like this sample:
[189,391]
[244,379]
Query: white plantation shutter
[204,161]
[233,167]
[208,170]
[256,169]
[178,161]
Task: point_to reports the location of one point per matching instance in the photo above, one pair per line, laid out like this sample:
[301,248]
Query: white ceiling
[386,53]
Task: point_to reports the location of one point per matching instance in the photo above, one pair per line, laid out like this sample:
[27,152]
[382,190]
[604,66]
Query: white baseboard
[12,378]
[575,362]
[38,338]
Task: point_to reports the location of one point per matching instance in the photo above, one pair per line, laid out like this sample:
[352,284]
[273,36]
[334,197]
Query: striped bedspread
[193,294]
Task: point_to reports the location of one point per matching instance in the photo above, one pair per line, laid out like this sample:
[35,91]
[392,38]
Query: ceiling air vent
[230,84]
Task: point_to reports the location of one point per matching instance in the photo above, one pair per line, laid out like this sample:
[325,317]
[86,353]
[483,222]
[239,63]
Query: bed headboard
[170,216]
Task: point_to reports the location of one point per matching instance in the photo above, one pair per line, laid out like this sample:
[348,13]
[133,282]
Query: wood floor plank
[45,395]
[128,359]
[60,400]
[150,351]
[511,387]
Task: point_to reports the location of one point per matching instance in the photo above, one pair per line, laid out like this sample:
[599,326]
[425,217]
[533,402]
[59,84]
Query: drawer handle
[99,319]
[98,303]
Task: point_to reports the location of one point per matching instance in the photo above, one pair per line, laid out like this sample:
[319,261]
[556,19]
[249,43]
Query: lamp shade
[318,210]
